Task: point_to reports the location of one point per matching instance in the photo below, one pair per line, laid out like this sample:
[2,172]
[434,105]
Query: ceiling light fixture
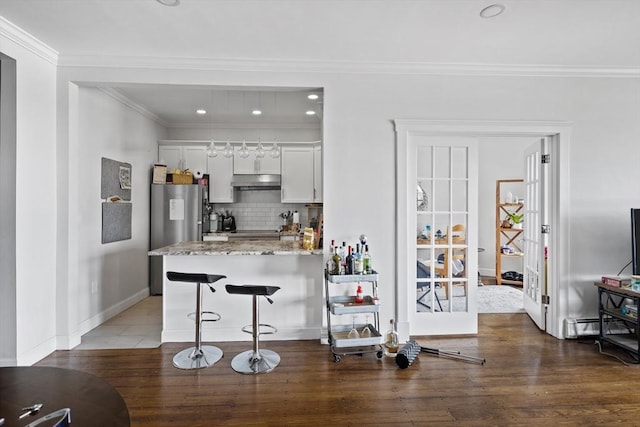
[256,112]
[310,113]
[312,96]
[228,150]
[274,151]
[492,11]
[244,151]
[169,2]
[259,150]
[201,111]
[211,150]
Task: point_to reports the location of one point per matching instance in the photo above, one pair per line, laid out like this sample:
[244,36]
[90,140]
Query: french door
[536,245]
[440,229]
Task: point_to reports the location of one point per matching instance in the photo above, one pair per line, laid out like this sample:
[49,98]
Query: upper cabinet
[220,170]
[301,175]
[252,165]
[192,157]
[317,174]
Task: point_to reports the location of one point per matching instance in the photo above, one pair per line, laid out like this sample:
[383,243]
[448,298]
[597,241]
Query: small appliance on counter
[228,222]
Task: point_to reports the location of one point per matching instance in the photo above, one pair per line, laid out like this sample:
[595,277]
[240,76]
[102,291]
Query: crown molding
[27,41]
[342,67]
[118,96]
[246,125]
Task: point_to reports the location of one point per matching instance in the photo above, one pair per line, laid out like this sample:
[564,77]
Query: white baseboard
[112,311]
[37,353]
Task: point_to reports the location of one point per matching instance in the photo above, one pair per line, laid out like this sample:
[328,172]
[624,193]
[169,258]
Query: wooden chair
[458,237]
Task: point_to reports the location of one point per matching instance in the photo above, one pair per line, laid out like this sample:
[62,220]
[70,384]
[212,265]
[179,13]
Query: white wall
[359,153]
[111,276]
[35,204]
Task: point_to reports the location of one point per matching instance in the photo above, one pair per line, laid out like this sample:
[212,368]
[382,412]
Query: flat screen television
[635,240]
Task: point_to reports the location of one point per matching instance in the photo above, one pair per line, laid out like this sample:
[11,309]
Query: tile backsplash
[260,210]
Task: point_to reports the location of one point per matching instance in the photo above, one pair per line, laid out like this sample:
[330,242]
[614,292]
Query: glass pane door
[439,234]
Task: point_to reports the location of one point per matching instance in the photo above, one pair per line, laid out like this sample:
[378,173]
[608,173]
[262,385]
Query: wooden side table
[93,401]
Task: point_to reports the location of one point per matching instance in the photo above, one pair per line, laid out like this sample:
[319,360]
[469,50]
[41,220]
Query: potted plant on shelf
[516,220]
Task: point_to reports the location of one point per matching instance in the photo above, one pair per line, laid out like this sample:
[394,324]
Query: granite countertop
[242,247]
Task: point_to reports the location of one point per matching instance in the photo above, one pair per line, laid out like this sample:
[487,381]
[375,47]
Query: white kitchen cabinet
[220,170]
[170,156]
[251,165]
[192,157]
[317,174]
[297,175]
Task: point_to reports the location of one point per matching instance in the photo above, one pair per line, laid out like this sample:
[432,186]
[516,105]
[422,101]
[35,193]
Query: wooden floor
[529,379]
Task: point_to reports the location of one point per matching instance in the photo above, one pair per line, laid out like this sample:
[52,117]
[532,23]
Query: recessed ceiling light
[312,96]
[256,112]
[310,113]
[169,2]
[492,11]
[201,111]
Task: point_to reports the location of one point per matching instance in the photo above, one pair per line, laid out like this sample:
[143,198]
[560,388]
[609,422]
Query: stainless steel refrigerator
[176,216]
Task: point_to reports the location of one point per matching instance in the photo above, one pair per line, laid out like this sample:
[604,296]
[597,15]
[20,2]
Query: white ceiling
[563,34]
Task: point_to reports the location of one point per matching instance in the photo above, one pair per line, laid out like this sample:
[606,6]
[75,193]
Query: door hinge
[545,299]
[545,158]
[545,229]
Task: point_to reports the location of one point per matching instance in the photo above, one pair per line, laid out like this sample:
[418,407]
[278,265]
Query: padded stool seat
[198,356]
[255,361]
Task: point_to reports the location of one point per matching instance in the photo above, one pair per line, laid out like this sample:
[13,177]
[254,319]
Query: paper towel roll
[296,217]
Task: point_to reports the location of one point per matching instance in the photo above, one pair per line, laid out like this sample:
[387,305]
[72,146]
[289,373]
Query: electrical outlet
[94,287]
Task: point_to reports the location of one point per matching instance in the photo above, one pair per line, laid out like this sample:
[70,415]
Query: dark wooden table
[93,401]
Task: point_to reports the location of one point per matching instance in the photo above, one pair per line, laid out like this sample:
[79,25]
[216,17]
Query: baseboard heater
[576,328]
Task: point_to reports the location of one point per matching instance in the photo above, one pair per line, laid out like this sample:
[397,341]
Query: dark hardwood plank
[529,379]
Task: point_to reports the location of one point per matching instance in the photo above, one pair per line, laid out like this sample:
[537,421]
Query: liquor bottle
[342,253]
[357,263]
[366,261]
[349,262]
[336,261]
[391,340]
[359,297]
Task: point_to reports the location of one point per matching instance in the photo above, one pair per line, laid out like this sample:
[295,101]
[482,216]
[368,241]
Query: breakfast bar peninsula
[297,307]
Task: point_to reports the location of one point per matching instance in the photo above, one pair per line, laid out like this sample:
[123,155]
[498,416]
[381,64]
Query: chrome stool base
[192,358]
[248,363]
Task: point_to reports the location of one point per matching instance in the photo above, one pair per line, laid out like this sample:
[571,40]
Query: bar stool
[255,361]
[198,356]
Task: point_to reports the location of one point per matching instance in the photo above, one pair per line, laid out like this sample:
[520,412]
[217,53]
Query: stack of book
[616,281]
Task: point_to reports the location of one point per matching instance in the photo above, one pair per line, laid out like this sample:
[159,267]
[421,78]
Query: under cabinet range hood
[256,182]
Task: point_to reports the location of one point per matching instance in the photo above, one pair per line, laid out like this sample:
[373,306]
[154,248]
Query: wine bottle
[336,261]
[391,340]
[349,262]
[366,261]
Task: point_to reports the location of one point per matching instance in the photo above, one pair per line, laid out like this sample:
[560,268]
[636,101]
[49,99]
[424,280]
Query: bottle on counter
[391,340]
[366,261]
[349,262]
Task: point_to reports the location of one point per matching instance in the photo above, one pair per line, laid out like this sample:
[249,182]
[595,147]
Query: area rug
[491,299]
[500,299]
